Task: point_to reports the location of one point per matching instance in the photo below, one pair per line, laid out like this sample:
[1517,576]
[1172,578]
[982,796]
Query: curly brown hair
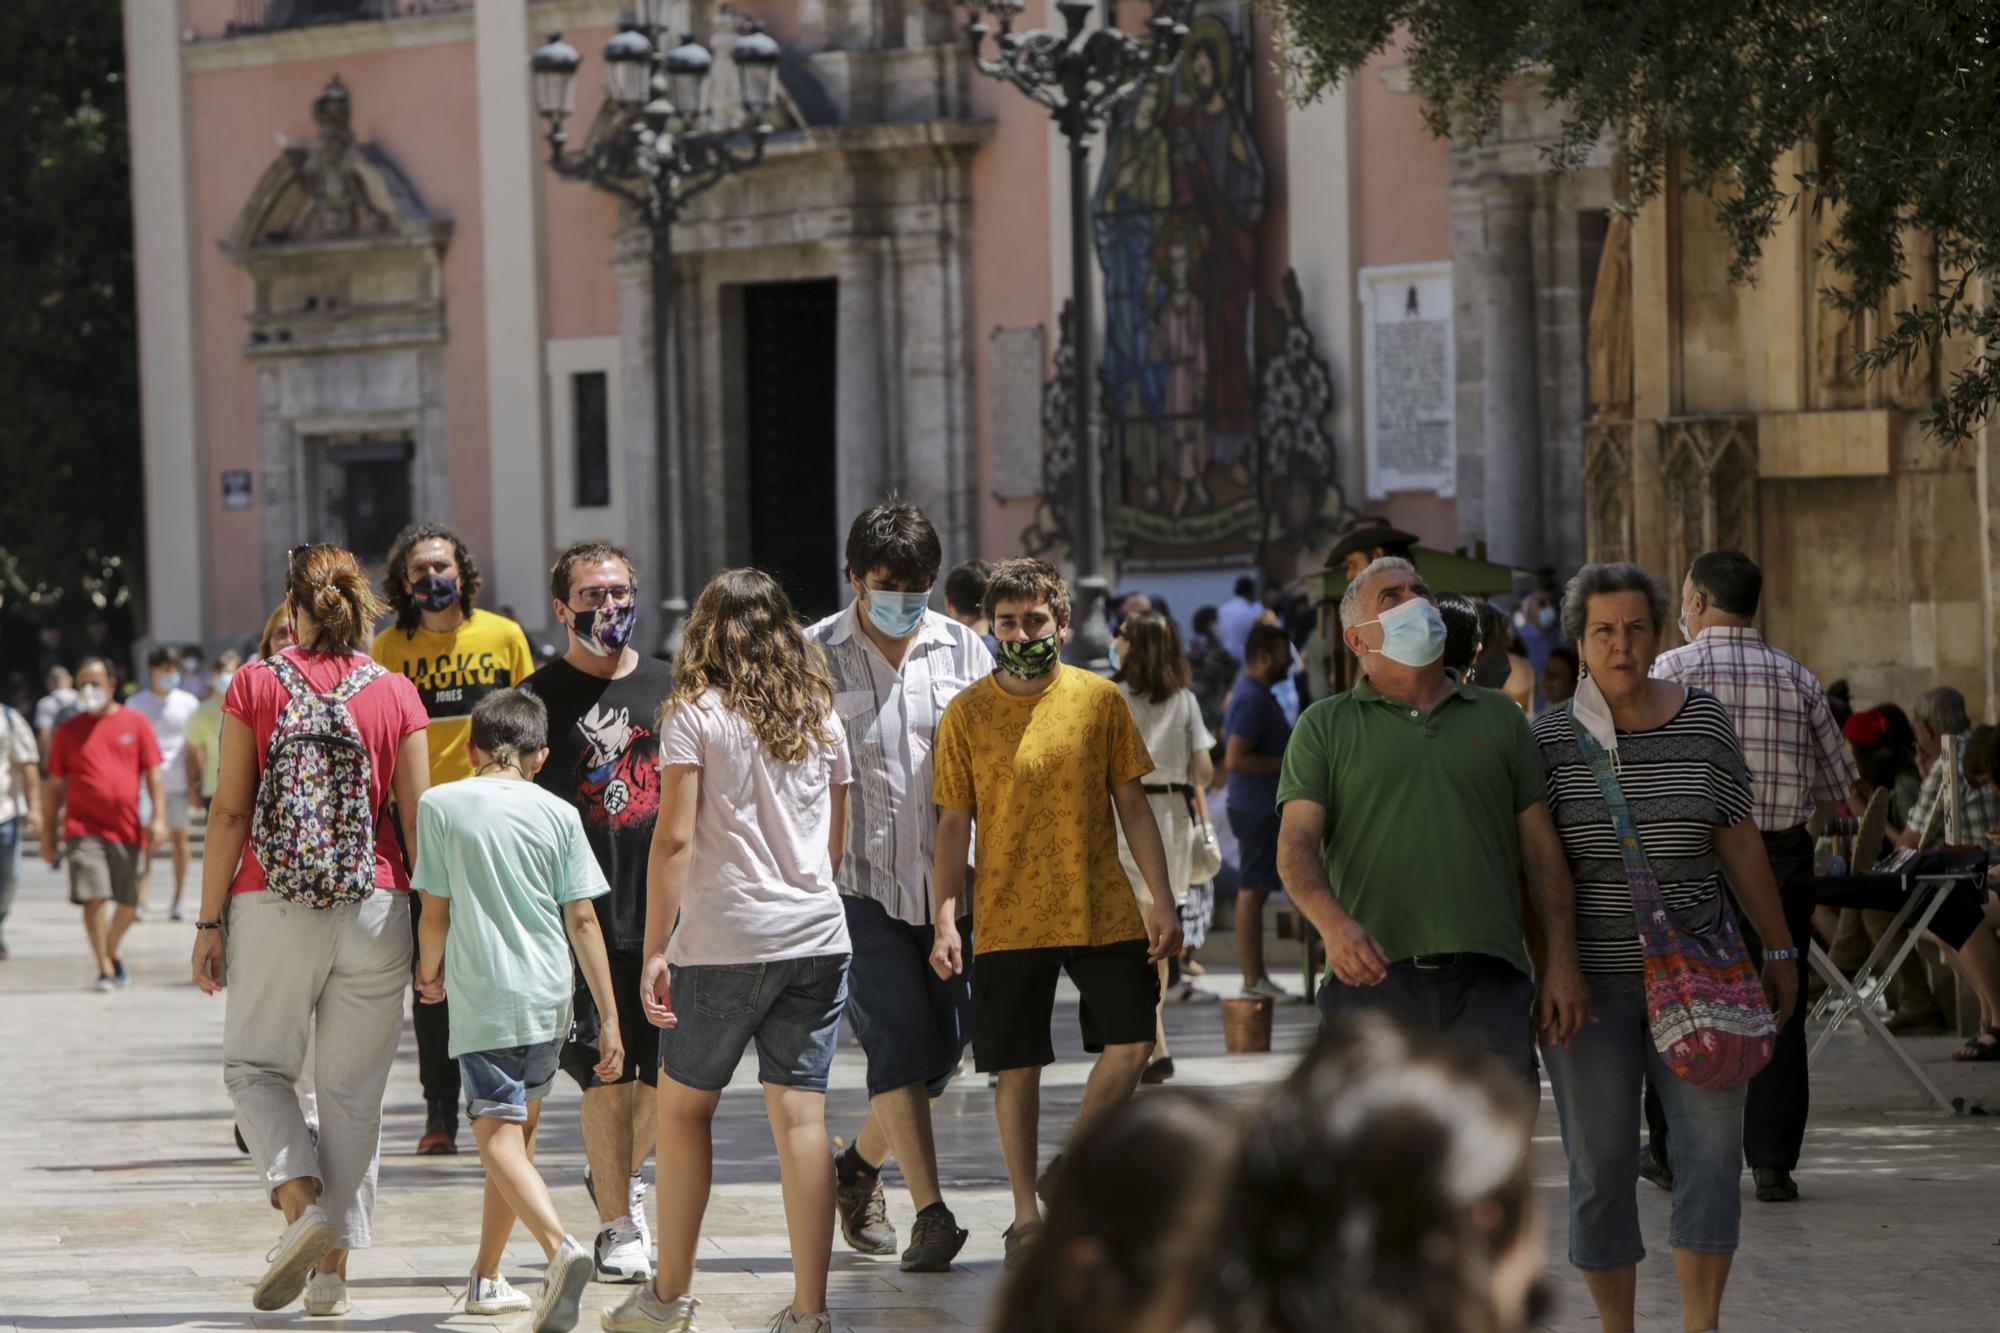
[743,640]
[396,573]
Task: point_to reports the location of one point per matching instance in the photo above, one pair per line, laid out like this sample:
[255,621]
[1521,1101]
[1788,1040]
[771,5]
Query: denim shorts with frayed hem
[790,1008]
[501,1083]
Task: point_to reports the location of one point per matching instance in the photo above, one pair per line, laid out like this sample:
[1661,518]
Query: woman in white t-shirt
[1154,676]
[753,819]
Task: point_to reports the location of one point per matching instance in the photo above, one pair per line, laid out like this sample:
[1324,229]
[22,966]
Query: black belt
[1431,962]
[1168,789]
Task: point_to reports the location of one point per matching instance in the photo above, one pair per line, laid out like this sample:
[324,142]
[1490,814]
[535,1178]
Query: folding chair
[1914,885]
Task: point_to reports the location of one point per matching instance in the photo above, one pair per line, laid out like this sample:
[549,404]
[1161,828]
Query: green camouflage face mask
[1035,657]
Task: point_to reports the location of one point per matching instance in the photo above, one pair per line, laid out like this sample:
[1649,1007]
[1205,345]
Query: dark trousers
[436,1070]
[1774,1112]
[1477,1000]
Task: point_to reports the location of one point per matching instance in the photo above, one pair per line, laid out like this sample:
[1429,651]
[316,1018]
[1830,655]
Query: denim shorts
[912,1025]
[1597,1080]
[1257,849]
[501,1083]
[790,1008]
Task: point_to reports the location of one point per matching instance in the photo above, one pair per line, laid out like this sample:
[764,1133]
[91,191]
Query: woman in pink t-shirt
[295,969]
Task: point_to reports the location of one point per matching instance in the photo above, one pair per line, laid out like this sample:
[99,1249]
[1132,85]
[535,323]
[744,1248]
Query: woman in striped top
[1682,773]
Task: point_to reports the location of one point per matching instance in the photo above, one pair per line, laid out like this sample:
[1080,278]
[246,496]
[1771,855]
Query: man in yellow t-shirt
[455,655]
[1038,755]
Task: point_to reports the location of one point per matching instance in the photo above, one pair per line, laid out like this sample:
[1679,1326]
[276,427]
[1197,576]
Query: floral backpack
[314,830]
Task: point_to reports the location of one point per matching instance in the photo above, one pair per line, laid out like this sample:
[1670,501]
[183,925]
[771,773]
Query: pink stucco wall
[1011,188]
[1400,217]
[420,106]
[579,222]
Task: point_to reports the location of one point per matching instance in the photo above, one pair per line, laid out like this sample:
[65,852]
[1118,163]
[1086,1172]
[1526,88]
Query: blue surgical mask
[1111,653]
[1412,634]
[168,680]
[1546,617]
[1682,622]
[897,614]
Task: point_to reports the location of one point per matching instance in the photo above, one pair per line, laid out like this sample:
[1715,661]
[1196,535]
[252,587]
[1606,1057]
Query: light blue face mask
[897,614]
[1111,654]
[1412,633]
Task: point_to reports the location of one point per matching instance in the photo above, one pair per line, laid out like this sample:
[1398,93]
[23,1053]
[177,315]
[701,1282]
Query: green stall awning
[1445,571]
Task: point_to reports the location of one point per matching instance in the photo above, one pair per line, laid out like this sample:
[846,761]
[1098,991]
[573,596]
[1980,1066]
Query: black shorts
[1256,849]
[1014,1000]
[912,1025]
[642,1039]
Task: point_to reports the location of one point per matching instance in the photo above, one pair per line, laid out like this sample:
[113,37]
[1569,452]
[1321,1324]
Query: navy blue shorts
[501,1083]
[912,1024]
[790,1008]
[1256,849]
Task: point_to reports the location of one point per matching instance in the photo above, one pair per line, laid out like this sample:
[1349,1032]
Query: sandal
[1982,1046]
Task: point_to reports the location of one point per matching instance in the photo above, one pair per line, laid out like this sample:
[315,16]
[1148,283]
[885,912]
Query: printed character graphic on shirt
[618,785]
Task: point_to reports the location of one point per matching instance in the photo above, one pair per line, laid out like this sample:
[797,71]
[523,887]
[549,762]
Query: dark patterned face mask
[434,592]
[1030,659]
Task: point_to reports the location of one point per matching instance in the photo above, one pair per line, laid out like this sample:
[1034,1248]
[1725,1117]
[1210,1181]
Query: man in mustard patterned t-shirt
[455,655]
[1037,755]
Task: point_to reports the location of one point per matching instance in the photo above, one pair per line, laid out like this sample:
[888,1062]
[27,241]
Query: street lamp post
[659,154]
[1080,77]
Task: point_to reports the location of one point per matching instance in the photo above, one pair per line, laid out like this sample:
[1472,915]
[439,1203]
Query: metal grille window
[590,418]
[270,15]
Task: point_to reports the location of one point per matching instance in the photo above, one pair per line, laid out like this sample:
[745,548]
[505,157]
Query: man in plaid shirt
[1797,759]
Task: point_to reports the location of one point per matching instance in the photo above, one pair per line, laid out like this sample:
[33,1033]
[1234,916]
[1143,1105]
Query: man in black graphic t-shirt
[603,699]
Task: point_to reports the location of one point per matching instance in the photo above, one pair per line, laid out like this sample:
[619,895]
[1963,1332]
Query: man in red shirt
[96,761]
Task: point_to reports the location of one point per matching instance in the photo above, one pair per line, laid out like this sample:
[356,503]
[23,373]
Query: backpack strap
[290,677]
[356,681]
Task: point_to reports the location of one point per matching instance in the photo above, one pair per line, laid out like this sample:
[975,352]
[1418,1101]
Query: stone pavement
[125,1205]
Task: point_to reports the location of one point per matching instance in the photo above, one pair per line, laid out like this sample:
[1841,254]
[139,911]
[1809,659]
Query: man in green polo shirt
[1410,805]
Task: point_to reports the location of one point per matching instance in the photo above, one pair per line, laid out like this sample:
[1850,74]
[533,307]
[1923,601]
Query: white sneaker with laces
[493,1295]
[622,1255]
[643,1312]
[635,1207]
[787,1322]
[561,1301]
[326,1294]
[304,1243]
[1268,989]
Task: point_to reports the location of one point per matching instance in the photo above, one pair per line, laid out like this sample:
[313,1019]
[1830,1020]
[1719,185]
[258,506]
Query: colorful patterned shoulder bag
[1710,1018]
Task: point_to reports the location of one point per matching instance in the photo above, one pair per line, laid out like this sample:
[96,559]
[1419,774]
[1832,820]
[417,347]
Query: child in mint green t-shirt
[508,877]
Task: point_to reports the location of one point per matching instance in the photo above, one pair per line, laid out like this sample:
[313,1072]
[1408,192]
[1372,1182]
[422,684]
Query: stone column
[175,471]
[1510,408]
[650,529]
[517,457]
[870,424]
[934,463]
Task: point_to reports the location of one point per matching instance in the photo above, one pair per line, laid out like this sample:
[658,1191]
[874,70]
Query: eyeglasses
[590,599]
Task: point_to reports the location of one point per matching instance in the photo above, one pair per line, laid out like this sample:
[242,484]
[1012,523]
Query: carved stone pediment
[340,249]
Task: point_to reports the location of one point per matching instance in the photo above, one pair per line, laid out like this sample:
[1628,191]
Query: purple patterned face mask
[605,631]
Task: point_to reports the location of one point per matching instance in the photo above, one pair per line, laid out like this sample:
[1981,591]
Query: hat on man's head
[1365,534]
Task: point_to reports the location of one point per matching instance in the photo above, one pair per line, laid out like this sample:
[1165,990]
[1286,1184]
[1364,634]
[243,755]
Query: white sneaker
[175,913]
[492,1295]
[635,1207]
[292,1259]
[787,1322]
[643,1312]
[562,1290]
[621,1255]
[1269,989]
[326,1294]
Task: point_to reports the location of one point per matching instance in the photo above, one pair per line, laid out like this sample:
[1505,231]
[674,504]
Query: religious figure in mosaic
[1133,195]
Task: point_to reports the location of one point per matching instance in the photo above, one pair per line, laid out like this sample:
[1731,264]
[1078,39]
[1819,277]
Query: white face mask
[92,697]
